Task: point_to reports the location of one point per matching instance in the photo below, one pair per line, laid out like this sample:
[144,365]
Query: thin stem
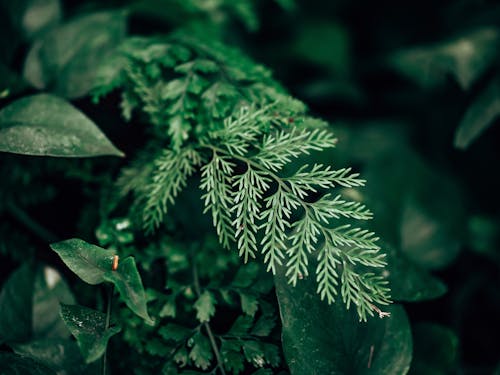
[22,216]
[207,327]
[109,290]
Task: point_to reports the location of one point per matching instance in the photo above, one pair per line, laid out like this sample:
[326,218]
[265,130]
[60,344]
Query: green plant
[230,235]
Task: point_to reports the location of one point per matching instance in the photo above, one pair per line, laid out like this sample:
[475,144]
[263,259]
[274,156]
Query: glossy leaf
[89,328]
[13,364]
[128,282]
[328,339]
[64,60]
[479,116]
[45,125]
[88,261]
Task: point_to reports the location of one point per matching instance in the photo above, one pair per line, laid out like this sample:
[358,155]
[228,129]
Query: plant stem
[20,215]
[109,297]
[210,334]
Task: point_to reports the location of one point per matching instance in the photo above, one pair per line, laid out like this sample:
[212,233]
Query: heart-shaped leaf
[89,328]
[127,280]
[64,60]
[328,339]
[45,125]
[88,261]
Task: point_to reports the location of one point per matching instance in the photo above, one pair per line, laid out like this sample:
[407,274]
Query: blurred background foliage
[412,90]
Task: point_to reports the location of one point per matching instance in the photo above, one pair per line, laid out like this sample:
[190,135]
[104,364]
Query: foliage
[215,224]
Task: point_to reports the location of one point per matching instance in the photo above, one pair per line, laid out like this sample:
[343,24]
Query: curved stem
[109,297]
[207,327]
[22,216]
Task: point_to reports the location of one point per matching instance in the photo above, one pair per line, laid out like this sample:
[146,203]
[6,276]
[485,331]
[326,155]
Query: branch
[20,215]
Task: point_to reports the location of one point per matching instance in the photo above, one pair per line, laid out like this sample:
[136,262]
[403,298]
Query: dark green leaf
[89,328]
[241,326]
[16,306]
[264,325]
[129,284]
[88,261]
[435,350]
[480,114]
[232,356]
[205,306]
[328,339]
[29,305]
[174,332]
[61,355]
[169,308]
[253,353]
[64,60]
[13,364]
[45,125]
[409,282]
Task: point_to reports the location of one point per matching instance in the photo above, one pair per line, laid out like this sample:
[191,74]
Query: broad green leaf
[89,328]
[64,60]
[466,57]
[435,350]
[479,116]
[205,306]
[29,305]
[128,282]
[88,261]
[328,339]
[45,125]
[60,355]
[13,364]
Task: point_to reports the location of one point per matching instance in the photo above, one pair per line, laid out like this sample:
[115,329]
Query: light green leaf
[249,304]
[201,353]
[435,350]
[89,328]
[64,60]
[13,364]
[328,339]
[466,57]
[479,116]
[129,284]
[45,125]
[61,355]
[88,261]
[205,306]
[29,305]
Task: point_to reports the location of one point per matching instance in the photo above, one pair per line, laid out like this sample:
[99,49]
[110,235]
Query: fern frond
[216,181]
[250,188]
[172,170]
[279,149]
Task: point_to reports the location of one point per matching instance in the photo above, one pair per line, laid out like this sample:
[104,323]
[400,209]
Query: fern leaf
[172,170]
